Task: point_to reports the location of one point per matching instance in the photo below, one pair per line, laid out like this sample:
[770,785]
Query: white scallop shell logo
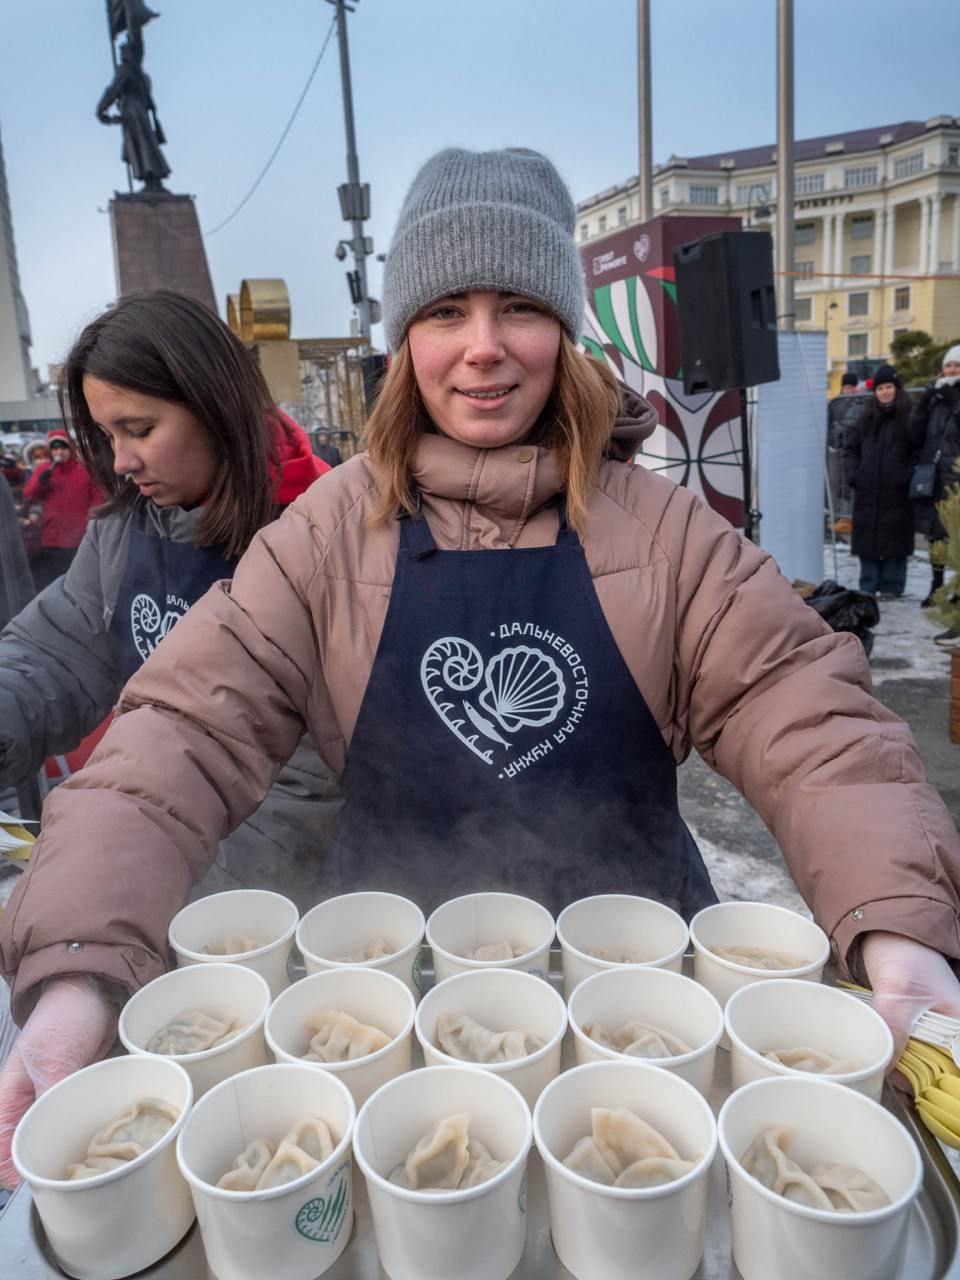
[523,686]
[641,248]
[147,625]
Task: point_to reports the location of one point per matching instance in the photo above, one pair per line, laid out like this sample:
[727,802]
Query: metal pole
[747,468]
[353,173]
[785,225]
[644,112]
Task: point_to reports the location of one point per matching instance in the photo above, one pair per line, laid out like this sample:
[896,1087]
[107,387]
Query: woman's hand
[72,1025]
[907,978]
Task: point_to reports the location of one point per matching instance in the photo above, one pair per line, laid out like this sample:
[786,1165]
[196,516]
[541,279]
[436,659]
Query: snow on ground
[903,647]
[741,876]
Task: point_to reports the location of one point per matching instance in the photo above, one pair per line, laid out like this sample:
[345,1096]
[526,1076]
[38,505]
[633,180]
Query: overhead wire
[283,136]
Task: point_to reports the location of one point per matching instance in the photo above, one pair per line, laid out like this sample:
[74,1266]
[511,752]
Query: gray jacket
[59,679]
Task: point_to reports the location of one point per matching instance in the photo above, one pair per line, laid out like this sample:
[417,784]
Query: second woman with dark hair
[877,464]
[175,424]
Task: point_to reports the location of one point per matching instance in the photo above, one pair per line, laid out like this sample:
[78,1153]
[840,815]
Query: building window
[753,193]
[861,226]
[901,298]
[805,233]
[584,230]
[858,304]
[898,332]
[805,269]
[804,309]
[860,264]
[704,195]
[808,184]
[664,197]
[865,175]
[622,216]
[602,223]
[856,344]
[906,166]
[953,154]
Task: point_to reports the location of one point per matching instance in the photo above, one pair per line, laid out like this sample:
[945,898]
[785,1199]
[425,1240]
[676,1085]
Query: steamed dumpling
[496,951]
[840,1188]
[625,1151]
[802,1059]
[234,944]
[617,957]
[638,1040]
[759,957]
[461,1037]
[192,1032]
[335,1036]
[447,1159]
[249,1165]
[128,1135]
[375,950]
[264,1164]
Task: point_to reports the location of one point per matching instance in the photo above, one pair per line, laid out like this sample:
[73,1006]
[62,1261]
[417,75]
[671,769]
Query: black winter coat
[877,465]
[935,426]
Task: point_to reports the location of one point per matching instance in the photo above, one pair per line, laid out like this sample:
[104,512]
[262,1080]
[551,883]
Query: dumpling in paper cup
[371,930]
[250,927]
[490,930]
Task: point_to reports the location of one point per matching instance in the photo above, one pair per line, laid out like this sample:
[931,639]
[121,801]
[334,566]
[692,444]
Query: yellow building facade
[877,227]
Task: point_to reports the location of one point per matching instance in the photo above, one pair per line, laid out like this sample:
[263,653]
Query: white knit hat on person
[951,355]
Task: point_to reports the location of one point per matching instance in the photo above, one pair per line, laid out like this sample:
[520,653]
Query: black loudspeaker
[728,311]
[374,371]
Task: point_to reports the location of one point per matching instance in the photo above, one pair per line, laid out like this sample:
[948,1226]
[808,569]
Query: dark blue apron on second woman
[502,743]
[161,580]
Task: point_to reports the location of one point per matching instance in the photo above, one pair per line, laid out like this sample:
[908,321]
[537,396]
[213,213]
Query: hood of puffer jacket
[635,423]
[297,466]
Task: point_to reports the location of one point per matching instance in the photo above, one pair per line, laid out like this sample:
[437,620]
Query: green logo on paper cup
[321,1218]
[416,971]
[522,1195]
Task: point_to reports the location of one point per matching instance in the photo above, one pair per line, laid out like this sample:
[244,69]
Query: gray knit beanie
[484,220]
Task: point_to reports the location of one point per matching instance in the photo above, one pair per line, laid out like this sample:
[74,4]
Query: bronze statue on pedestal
[130,89]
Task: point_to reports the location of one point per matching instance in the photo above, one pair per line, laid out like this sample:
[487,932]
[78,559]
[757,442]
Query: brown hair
[577,421]
[167,345]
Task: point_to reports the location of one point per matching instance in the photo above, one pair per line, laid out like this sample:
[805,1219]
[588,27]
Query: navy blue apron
[502,743]
[161,580]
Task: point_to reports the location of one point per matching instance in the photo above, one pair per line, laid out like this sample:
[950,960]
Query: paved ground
[911,676]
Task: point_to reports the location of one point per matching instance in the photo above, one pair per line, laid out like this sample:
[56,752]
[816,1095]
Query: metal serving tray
[933,1249]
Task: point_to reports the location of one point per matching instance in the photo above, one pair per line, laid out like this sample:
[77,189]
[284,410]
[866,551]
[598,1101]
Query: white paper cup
[348,924]
[755,924]
[297,1230]
[369,995]
[618,923]
[474,1234]
[661,998]
[501,1000]
[255,912]
[773,1236]
[220,990]
[626,1233]
[775,1015]
[480,919]
[118,1222]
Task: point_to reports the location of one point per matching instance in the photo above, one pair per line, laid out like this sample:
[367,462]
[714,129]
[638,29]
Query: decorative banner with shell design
[632,325]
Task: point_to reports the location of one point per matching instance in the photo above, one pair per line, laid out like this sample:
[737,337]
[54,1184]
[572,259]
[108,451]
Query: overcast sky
[558,75]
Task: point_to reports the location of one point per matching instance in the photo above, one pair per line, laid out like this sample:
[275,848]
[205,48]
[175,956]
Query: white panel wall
[791,422]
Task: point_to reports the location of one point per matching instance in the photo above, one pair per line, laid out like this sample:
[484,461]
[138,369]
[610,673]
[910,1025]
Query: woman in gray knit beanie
[503,637]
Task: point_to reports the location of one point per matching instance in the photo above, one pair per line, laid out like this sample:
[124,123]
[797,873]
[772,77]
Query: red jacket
[67,500]
[299,465]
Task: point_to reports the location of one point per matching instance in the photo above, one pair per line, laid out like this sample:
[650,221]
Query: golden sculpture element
[233,313]
[264,310]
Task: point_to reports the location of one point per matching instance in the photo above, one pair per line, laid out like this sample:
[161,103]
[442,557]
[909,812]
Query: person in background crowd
[16,584]
[66,493]
[12,472]
[935,436]
[33,454]
[325,450]
[842,413]
[877,465]
[506,637]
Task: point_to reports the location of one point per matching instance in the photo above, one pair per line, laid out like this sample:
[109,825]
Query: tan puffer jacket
[728,658]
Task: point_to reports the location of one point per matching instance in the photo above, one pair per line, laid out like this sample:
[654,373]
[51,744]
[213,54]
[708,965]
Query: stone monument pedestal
[157,245]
